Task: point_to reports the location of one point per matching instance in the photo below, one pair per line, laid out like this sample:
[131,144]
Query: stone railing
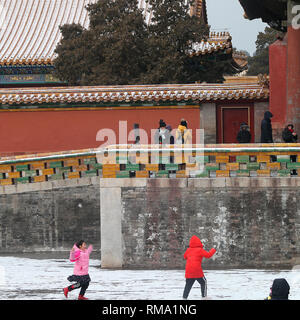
[48,167]
[153,161]
[247,160]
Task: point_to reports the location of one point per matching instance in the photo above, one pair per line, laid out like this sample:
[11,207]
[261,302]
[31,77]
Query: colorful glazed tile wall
[143,164]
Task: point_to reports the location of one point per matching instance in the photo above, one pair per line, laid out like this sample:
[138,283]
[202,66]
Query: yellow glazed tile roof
[29,29]
[129,94]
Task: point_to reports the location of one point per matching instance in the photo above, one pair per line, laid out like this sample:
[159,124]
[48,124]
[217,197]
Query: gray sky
[227,15]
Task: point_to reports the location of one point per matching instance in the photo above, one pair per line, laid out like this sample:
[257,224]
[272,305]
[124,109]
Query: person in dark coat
[289,135]
[244,135]
[169,128]
[266,128]
[280,290]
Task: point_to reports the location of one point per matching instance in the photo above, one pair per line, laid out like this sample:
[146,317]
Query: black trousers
[189,284]
[81,282]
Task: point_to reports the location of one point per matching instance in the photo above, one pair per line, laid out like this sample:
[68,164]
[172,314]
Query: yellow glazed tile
[39,178]
[222,173]
[5,182]
[273,165]
[48,171]
[14,174]
[5,169]
[37,165]
[73,175]
[232,166]
[264,173]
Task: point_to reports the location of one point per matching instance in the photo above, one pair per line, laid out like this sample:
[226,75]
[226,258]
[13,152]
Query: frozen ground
[34,279]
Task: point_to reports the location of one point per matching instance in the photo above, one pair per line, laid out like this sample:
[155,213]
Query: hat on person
[183,122]
[162,123]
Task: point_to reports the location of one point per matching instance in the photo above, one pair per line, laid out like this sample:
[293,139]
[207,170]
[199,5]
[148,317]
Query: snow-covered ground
[34,279]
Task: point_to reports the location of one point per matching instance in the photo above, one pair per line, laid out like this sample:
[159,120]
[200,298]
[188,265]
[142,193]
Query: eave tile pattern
[131,94]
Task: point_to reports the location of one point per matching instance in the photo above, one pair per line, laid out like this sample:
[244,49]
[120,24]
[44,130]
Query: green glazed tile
[55,164]
[29,173]
[283,158]
[96,165]
[122,174]
[57,176]
[253,166]
[22,167]
[89,173]
[242,159]
[171,166]
[22,180]
[64,169]
[293,165]
[132,167]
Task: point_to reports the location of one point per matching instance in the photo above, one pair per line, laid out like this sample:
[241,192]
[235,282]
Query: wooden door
[229,120]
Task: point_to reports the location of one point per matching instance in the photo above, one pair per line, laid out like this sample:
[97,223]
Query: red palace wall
[278,81]
[52,130]
[293,74]
[285,80]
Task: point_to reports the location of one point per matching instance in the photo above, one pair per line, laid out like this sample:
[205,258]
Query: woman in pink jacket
[79,254]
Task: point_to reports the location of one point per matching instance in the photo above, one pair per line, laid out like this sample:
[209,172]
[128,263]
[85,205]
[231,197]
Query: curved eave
[220,48]
[267,10]
[30,31]
[133,94]
[218,42]
[24,62]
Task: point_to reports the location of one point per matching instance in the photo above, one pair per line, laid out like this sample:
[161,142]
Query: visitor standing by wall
[183,134]
[244,135]
[289,135]
[162,134]
[266,128]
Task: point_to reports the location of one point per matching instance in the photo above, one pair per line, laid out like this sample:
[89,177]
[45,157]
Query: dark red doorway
[229,120]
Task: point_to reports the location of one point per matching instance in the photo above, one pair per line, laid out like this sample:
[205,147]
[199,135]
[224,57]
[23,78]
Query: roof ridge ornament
[263,80]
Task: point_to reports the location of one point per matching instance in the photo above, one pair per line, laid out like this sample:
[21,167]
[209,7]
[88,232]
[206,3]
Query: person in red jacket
[193,269]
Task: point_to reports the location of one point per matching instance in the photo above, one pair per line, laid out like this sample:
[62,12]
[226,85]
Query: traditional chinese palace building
[41,114]
[284,16]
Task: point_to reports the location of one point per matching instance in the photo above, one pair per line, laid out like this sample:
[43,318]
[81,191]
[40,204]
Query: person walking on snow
[193,269]
[79,254]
